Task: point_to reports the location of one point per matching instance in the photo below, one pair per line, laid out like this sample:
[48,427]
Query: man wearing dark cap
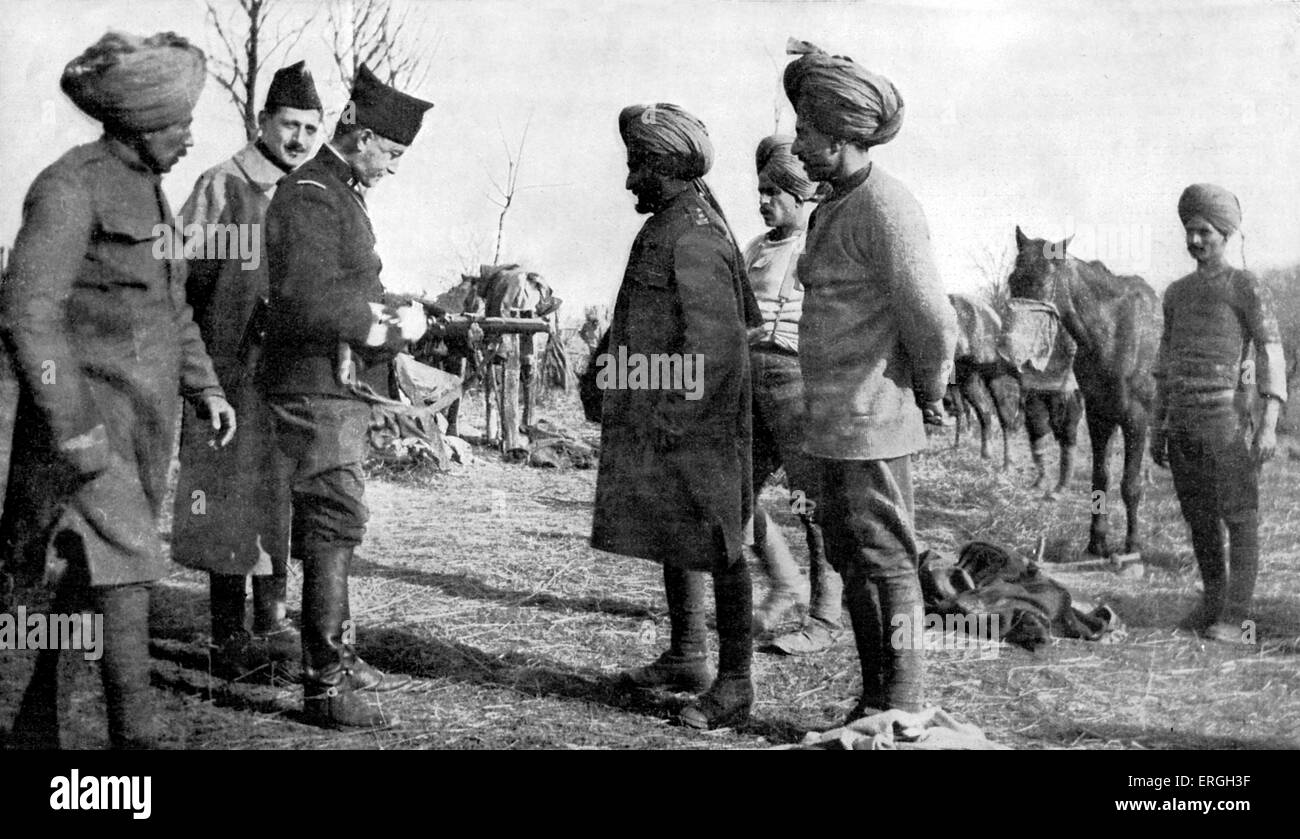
[786,198]
[96,329]
[674,478]
[232,505]
[330,335]
[875,346]
[1202,423]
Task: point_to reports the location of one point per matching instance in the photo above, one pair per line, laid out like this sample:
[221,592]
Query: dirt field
[480,584]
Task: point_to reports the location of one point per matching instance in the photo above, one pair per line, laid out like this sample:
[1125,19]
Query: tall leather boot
[124,668]
[330,698]
[271,625]
[864,613]
[684,666]
[902,674]
[788,588]
[233,656]
[731,697]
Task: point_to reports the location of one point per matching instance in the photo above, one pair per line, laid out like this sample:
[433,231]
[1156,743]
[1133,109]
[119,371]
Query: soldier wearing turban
[331,331]
[674,480]
[868,273]
[100,346]
[1214,318]
[242,527]
[787,198]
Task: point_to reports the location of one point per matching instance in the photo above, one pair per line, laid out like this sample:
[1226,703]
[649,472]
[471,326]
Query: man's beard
[649,198]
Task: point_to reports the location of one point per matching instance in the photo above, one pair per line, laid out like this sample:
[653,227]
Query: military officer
[232,505]
[674,478]
[330,335]
[103,346]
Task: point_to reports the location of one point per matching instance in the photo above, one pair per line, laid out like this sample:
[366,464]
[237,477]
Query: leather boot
[788,588]
[125,666]
[864,614]
[330,697]
[729,700]
[272,628]
[902,676]
[233,655]
[685,665]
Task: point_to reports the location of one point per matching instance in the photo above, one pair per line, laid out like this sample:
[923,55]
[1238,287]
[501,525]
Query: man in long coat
[674,479]
[331,332]
[103,345]
[231,516]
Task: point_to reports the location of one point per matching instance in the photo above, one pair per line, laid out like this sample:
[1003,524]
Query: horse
[1116,321]
[983,379]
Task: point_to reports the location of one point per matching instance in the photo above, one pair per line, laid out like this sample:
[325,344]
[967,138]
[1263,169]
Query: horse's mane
[1101,279]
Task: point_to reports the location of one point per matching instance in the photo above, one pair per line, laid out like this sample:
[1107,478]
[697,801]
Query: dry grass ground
[480,584]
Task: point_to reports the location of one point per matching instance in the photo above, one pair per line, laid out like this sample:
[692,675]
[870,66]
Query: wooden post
[510,437]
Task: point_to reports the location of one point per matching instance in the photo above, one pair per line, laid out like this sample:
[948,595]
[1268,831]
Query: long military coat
[232,513]
[102,345]
[674,484]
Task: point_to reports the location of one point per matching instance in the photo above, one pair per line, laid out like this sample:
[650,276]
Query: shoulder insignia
[698,216]
[304,182]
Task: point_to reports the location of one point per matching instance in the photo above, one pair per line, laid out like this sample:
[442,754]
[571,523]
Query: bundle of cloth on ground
[932,729]
[1031,607]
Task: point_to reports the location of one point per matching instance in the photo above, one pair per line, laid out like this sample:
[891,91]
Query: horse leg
[1100,431]
[1037,426]
[978,398]
[1005,408]
[1135,443]
[1065,428]
[959,407]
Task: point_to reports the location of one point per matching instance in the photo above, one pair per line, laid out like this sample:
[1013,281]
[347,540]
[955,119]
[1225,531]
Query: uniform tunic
[687,503]
[103,345]
[232,504]
[324,273]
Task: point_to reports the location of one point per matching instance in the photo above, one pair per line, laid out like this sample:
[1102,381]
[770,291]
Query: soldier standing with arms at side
[93,314]
[232,515]
[674,479]
[786,199]
[1200,427]
[876,343]
[331,333]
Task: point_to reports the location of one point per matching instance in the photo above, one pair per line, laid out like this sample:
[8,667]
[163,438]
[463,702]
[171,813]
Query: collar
[127,155]
[852,182]
[339,167]
[260,145]
[257,167]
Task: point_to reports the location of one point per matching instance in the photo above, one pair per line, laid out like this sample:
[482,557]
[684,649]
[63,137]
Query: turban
[293,87]
[385,110]
[774,159]
[1212,203]
[842,98]
[138,84]
[675,143]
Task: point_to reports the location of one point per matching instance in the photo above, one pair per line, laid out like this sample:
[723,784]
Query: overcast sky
[1084,117]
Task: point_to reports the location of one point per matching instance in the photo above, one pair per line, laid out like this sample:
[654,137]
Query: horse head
[1045,271]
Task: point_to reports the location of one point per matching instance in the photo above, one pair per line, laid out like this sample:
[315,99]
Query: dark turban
[1212,203]
[774,159]
[675,143]
[842,98]
[138,84]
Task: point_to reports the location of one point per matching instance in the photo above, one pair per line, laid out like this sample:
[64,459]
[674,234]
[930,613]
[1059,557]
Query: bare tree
[994,266]
[505,194]
[389,42]
[247,46]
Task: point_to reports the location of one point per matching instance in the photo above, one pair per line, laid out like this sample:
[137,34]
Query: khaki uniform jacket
[102,346]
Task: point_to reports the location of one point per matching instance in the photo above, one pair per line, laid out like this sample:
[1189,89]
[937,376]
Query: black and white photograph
[700,374]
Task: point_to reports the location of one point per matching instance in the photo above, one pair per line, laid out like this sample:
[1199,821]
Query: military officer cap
[385,110]
[293,87]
